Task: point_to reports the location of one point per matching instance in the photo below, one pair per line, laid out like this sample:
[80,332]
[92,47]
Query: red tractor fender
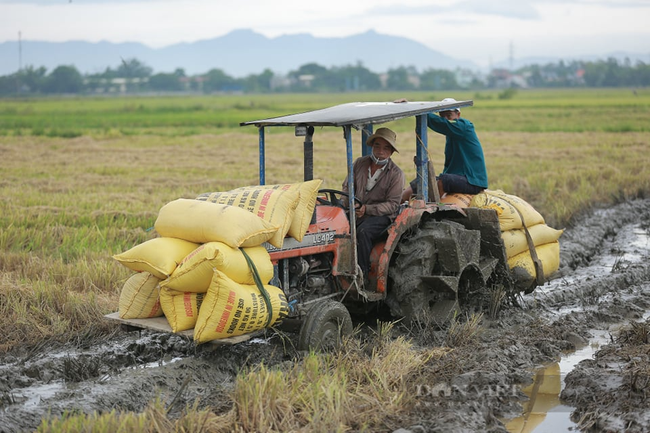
[409,217]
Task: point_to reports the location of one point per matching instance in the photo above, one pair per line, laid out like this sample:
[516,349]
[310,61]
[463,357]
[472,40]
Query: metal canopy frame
[360,116]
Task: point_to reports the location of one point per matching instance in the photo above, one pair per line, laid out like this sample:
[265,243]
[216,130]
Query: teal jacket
[463,151]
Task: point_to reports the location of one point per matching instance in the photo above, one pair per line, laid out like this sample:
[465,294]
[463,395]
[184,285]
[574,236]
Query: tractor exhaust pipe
[309,155]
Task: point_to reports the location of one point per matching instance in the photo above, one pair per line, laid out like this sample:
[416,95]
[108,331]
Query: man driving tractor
[378,184]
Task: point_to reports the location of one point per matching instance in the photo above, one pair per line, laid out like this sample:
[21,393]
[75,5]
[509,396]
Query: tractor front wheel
[325,326]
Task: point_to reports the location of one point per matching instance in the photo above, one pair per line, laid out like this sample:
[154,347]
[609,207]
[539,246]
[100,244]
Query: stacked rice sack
[257,199]
[518,221]
[460,200]
[208,270]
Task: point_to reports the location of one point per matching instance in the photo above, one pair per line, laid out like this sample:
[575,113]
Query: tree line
[133,76]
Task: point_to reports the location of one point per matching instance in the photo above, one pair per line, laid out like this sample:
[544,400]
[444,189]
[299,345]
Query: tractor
[434,260]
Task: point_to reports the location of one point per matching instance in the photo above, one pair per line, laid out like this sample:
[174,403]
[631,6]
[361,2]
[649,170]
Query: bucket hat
[387,135]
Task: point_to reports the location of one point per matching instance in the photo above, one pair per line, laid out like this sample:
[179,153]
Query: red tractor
[434,259]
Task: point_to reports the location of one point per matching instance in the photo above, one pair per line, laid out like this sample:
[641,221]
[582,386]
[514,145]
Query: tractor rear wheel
[325,326]
[432,264]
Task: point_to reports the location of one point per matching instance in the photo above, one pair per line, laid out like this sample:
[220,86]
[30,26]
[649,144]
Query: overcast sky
[479,30]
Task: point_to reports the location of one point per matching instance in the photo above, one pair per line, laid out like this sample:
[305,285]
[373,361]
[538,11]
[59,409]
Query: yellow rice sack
[515,240]
[158,256]
[181,308]
[194,273]
[202,222]
[506,206]
[230,309]
[460,200]
[523,268]
[304,210]
[139,297]
[275,204]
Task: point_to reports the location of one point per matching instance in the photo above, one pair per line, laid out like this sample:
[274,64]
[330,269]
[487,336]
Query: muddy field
[562,359]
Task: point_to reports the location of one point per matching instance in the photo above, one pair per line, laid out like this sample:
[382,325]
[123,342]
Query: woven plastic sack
[304,210]
[523,268]
[158,256]
[194,273]
[202,222]
[275,204]
[181,308]
[510,209]
[139,297]
[230,309]
[460,200]
[515,240]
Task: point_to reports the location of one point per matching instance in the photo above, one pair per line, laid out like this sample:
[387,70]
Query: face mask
[379,161]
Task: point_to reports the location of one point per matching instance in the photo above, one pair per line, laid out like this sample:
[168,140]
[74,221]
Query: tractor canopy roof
[358,114]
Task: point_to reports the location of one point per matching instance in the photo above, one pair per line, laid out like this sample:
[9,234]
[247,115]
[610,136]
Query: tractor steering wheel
[334,200]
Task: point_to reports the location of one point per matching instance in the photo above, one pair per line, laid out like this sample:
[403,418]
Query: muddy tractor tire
[325,326]
[436,271]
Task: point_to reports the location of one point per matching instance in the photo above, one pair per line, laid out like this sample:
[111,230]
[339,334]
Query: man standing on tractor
[378,184]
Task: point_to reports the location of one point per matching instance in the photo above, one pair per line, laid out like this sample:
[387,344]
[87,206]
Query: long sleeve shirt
[463,151]
[385,196]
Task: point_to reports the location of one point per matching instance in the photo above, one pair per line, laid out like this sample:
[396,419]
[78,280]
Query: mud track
[604,280]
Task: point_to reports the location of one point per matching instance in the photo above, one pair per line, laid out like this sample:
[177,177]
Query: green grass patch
[548,110]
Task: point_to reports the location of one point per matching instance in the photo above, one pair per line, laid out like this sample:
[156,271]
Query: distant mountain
[238,53]
[85,56]
[243,52]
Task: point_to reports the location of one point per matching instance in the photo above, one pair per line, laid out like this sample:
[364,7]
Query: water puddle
[630,247]
[32,396]
[157,364]
[544,412]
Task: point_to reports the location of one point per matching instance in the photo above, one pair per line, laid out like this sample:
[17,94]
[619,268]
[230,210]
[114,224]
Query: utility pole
[512,57]
[20,62]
